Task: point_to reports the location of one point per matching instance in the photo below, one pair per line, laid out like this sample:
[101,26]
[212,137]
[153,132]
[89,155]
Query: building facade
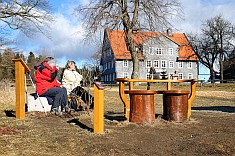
[169,54]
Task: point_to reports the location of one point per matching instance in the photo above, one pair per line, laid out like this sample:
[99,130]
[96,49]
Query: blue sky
[66,36]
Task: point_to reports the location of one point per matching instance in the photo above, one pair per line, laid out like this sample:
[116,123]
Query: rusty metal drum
[175,105]
[141,106]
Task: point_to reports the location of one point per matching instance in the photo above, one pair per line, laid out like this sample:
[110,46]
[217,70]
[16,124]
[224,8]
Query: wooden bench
[168,83]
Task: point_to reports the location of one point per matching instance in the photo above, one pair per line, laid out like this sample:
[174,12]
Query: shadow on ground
[227,109]
[80,124]
[10,113]
[118,116]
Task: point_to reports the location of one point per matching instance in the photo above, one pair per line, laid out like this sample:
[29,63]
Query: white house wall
[118,70]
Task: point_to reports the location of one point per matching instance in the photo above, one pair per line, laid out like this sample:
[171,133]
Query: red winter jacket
[45,78]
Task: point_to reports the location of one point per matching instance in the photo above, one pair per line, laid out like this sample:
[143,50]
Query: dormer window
[169,32]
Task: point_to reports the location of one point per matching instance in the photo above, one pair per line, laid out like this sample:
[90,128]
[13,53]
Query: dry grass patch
[208,133]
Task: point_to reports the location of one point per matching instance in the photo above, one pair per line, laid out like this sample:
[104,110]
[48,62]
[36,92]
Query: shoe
[67,109]
[56,111]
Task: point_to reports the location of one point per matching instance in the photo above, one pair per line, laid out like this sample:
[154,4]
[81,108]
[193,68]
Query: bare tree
[129,15]
[28,16]
[215,42]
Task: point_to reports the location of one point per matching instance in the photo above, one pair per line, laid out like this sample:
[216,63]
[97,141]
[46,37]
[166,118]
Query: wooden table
[131,82]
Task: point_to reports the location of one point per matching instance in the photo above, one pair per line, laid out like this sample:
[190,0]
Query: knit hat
[51,61]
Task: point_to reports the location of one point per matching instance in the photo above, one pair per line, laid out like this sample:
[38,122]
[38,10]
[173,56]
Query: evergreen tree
[7,66]
[31,60]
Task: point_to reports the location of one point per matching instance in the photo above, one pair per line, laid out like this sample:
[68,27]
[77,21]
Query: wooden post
[192,96]
[20,69]
[124,99]
[168,86]
[98,108]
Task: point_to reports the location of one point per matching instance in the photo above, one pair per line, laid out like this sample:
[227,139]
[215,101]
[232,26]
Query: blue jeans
[59,96]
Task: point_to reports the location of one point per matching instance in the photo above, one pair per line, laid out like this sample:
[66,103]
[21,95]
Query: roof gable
[118,44]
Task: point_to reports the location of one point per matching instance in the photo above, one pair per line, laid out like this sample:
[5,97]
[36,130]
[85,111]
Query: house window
[108,63]
[111,77]
[171,64]
[148,76]
[190,76]
[156,63]
[163,64]
[105,77]
[158,51]
[114,76]
[125,63]
[112,64]
[151,52]
[109,52]
[148,64]
[105,66]
[125,75]
[170,50]
[189,65]
[180,76]
[180,64]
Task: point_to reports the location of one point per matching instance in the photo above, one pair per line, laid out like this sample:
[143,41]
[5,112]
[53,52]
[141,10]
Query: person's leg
[56,94]
[60,99]
[64,97]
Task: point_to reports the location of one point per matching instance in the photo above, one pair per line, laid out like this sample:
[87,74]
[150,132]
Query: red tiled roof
[118,44]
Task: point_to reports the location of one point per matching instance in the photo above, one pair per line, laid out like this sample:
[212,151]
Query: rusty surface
[142,106]
[175,105]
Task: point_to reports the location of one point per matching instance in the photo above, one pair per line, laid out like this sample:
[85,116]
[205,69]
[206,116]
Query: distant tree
[214,43]
[95,65]
[31,62]
[7,65]
[20,55]
[229,66]
[129,15]
[40,59]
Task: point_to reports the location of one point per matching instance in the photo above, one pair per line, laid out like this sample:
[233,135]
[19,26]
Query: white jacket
[71,79]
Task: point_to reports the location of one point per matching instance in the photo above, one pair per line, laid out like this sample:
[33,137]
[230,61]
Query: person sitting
[48,86]
[71,78]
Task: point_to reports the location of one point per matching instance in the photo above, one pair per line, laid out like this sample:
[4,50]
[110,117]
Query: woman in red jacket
[48,85]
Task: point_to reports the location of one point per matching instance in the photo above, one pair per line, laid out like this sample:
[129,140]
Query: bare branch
[27,16]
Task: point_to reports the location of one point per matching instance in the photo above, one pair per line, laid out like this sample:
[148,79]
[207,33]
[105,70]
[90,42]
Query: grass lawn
[209,132]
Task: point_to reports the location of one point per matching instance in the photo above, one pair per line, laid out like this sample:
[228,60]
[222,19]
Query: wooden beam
[98,108]
[20,69]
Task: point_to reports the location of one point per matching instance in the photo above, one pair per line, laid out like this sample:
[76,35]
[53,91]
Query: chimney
[169,32]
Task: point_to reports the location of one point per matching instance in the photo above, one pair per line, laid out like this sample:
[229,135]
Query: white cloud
[66,42]
[67,33]
[196,11]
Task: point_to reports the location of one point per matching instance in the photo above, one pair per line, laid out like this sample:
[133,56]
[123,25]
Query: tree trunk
[221,69]
[212,73]
[134,55]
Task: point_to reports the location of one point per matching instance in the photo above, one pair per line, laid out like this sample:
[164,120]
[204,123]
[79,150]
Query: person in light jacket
[71,78]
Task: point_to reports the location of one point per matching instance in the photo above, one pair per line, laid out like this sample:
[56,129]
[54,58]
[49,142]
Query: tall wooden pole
[20,69]
[98,108]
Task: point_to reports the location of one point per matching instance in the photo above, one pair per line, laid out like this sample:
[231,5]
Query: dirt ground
[210,130]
